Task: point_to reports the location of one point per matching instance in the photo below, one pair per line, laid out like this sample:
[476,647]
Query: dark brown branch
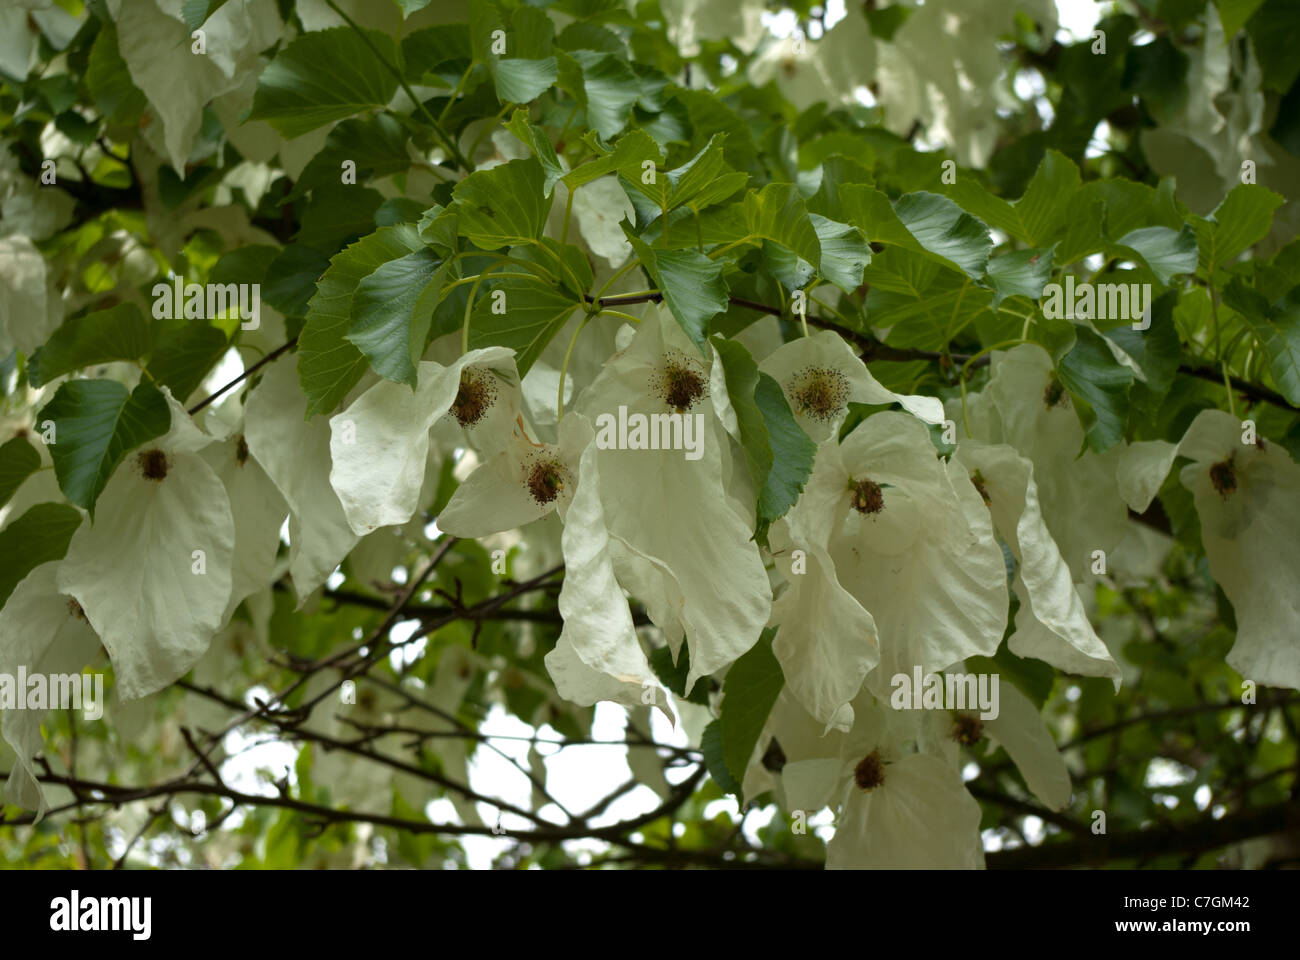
[1190,838]
[270,357]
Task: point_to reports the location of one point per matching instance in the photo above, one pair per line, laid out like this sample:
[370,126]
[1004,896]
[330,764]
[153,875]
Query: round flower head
[821,393]
[821,375]
[153,464]
[522,483]
[475,396]
[680,381]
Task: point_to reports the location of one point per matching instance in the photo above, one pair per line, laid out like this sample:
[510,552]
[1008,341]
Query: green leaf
[534,312]
[382,311]
[924,222]
[183,355]
[376,145]
[1157,349]
[1039,217]
[1273,30]
[38,536]
[714,762]
[535,138]
[1022,273]
[923,304]
[1099,386]
[673,675]
[1237,224]
[792,452]
[336,216]
[752,685]
[196,12]
[692,287]
[18,461]
[1032,677]
[1233,14]
[109,80]
[322,76]
[504,205]
[440,53]
[244,265]
[945,230]
[627,159]
[521,81]
[96,422]
[604,86]
[118,333]
[329,365]
[776,214]
[1165,251]
[700,182]
[291,276]
[778,453]
[1276,328]
[844,253]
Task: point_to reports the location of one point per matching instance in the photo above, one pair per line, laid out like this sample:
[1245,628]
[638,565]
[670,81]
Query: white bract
[1027,407]
[295,453]
[153,572]
[1051,624]
[379,445]
[44,632]
[680,545]
[821,376]
[914,545]
[1248,500]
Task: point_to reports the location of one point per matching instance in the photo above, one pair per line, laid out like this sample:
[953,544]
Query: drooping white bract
[259,511]
[796,757]
[821,375]
[1051,623]
[598,655]
[295,454]
[914,545]
[898,808]
[27,313]
[1078,493]
[379,445]
[1019,728]
[1248,500]
[153,572]
[44,632]
[1141,469]
[680,544]
[825,641]
[156,45]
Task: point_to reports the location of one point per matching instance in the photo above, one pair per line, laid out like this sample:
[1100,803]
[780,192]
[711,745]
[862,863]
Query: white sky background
[579,775]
